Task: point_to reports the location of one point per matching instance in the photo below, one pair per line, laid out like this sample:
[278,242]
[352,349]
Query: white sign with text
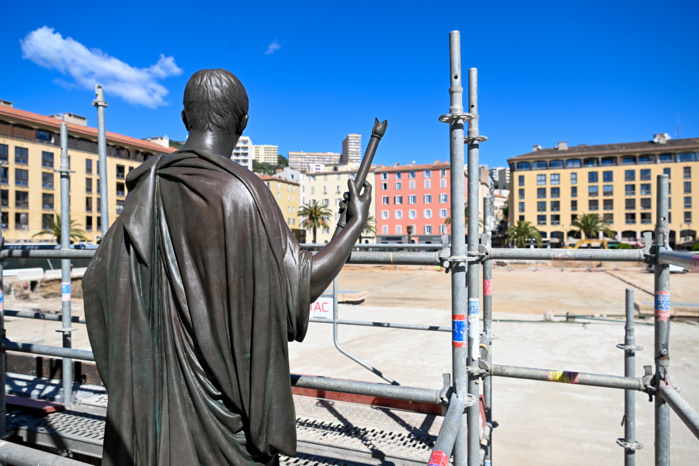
[322,308]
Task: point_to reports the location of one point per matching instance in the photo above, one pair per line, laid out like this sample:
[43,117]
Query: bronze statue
[193,294]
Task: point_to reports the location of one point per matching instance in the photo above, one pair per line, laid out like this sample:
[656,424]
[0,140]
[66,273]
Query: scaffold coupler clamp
[66,330]
[456,117]
[629,348]
[446,391]
[629,446]
[475,139]
[483,369]
[648,381]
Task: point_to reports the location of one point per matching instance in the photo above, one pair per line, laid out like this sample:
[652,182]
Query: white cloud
[88,67]
[273,47]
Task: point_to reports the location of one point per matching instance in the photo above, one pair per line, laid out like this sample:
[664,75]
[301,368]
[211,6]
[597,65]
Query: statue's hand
[358,208]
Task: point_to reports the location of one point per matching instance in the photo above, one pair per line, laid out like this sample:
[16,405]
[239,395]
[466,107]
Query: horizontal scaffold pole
[620,255]
[58,352]
[47,254]
[394,258]
[682,259]
[366,323]
[19,455]
[575,378]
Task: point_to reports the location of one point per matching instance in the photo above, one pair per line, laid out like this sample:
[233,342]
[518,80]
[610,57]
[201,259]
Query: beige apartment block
[266,153]
[30,185]
[551,187]
[328,187]
[288,196]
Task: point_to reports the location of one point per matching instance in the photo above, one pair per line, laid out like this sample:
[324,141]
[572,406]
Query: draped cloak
[189,301]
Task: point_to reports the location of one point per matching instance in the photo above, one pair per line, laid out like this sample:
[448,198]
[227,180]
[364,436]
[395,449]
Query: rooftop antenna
[678,126]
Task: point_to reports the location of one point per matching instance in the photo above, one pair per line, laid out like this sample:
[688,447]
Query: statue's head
[215,101]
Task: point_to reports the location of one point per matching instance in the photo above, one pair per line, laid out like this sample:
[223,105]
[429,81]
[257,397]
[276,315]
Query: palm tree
[591,225]
[523,232]
[313,216]
[53,227]
[369,228]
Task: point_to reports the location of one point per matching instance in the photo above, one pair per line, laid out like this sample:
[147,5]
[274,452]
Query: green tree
[369,228]
[447,221]
[53,227]
[313,216]
[523,232]
[591,225]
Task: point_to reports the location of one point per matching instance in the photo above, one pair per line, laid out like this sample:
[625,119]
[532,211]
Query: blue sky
[581,72]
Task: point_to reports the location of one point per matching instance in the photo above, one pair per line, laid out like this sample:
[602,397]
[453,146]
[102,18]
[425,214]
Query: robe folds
[190,301]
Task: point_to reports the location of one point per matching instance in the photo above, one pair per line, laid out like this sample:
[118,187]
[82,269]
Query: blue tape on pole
[458,331]
[65,291]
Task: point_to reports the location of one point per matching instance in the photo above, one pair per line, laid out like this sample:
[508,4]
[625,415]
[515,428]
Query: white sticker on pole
[65,291]
[473,325]
[322,308]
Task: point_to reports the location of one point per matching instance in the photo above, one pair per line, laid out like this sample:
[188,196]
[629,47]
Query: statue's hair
[214,100]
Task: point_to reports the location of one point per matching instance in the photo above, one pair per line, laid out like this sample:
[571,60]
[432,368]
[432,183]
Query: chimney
[661,138]
[536,147]
[6,103]
[562,145]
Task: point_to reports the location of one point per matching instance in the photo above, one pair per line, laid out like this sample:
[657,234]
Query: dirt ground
[539,423]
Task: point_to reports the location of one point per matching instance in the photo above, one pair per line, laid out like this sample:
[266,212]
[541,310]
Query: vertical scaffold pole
[473,412]
[458,242]
[102,152]
[65,267]
[629,441]
[662,326]
[487,326]
[3,410]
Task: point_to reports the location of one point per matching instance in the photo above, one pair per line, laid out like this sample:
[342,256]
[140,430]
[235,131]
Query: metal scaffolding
[472,350]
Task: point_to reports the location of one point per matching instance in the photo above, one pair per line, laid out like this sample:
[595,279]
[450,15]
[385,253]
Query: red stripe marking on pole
[438,458]
[487,288]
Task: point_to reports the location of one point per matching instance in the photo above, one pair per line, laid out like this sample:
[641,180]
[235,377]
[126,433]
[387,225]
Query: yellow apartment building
[328,187]
[551,187]
[30,153]
[288,196]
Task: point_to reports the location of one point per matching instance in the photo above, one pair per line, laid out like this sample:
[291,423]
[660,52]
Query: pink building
[416,196]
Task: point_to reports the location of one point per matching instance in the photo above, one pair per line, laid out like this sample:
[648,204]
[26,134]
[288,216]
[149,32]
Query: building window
[384,186]
[21,177]
[541,206]
[574,191]
[399,185]
[88,204]
[411,175]
[412,214]
[4,198]
[428,184]
[121,190]
[593,177]
[555,193]
[687,202]
[593,191]
[47,201]
[574,206]
[645,203]
[608,204]
[397,200]
[4,152]
[3,175]
[399,230]
[608,218]
[88,185]
[428,229]
[21,221]
[384,214]
[398,176]
[21,199]
[384,200]
[442,213]
[555,219]
[120,208]
[688,217]
[47,180]
[666,171]
[88,166]
[412,199]
[541,219]
[555,206]
[442,173]
[520,218]
[427,199]
[521,193]
[384,230]
[443,183]
[384,176]
[22,155]
[443,198]
[428,174]
[427,213]
[630,175]
[593,204]
[608,189]
[442,229]
[573,178]
[645,218]
[555,178]
[645,174]
[541,180]
[630,218]
[645,189]
[521,206]
[412,184]
[687,187]
[630,190]
[521,180]
[398,214]
[541,193]
[47,159]
[687,173]
[607,177]
[630,204]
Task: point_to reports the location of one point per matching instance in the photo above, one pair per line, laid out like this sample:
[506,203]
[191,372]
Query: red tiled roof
[54,123]
[274,178]
[407,168]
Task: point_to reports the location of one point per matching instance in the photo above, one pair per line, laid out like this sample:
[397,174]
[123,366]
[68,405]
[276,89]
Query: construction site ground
[538,423]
